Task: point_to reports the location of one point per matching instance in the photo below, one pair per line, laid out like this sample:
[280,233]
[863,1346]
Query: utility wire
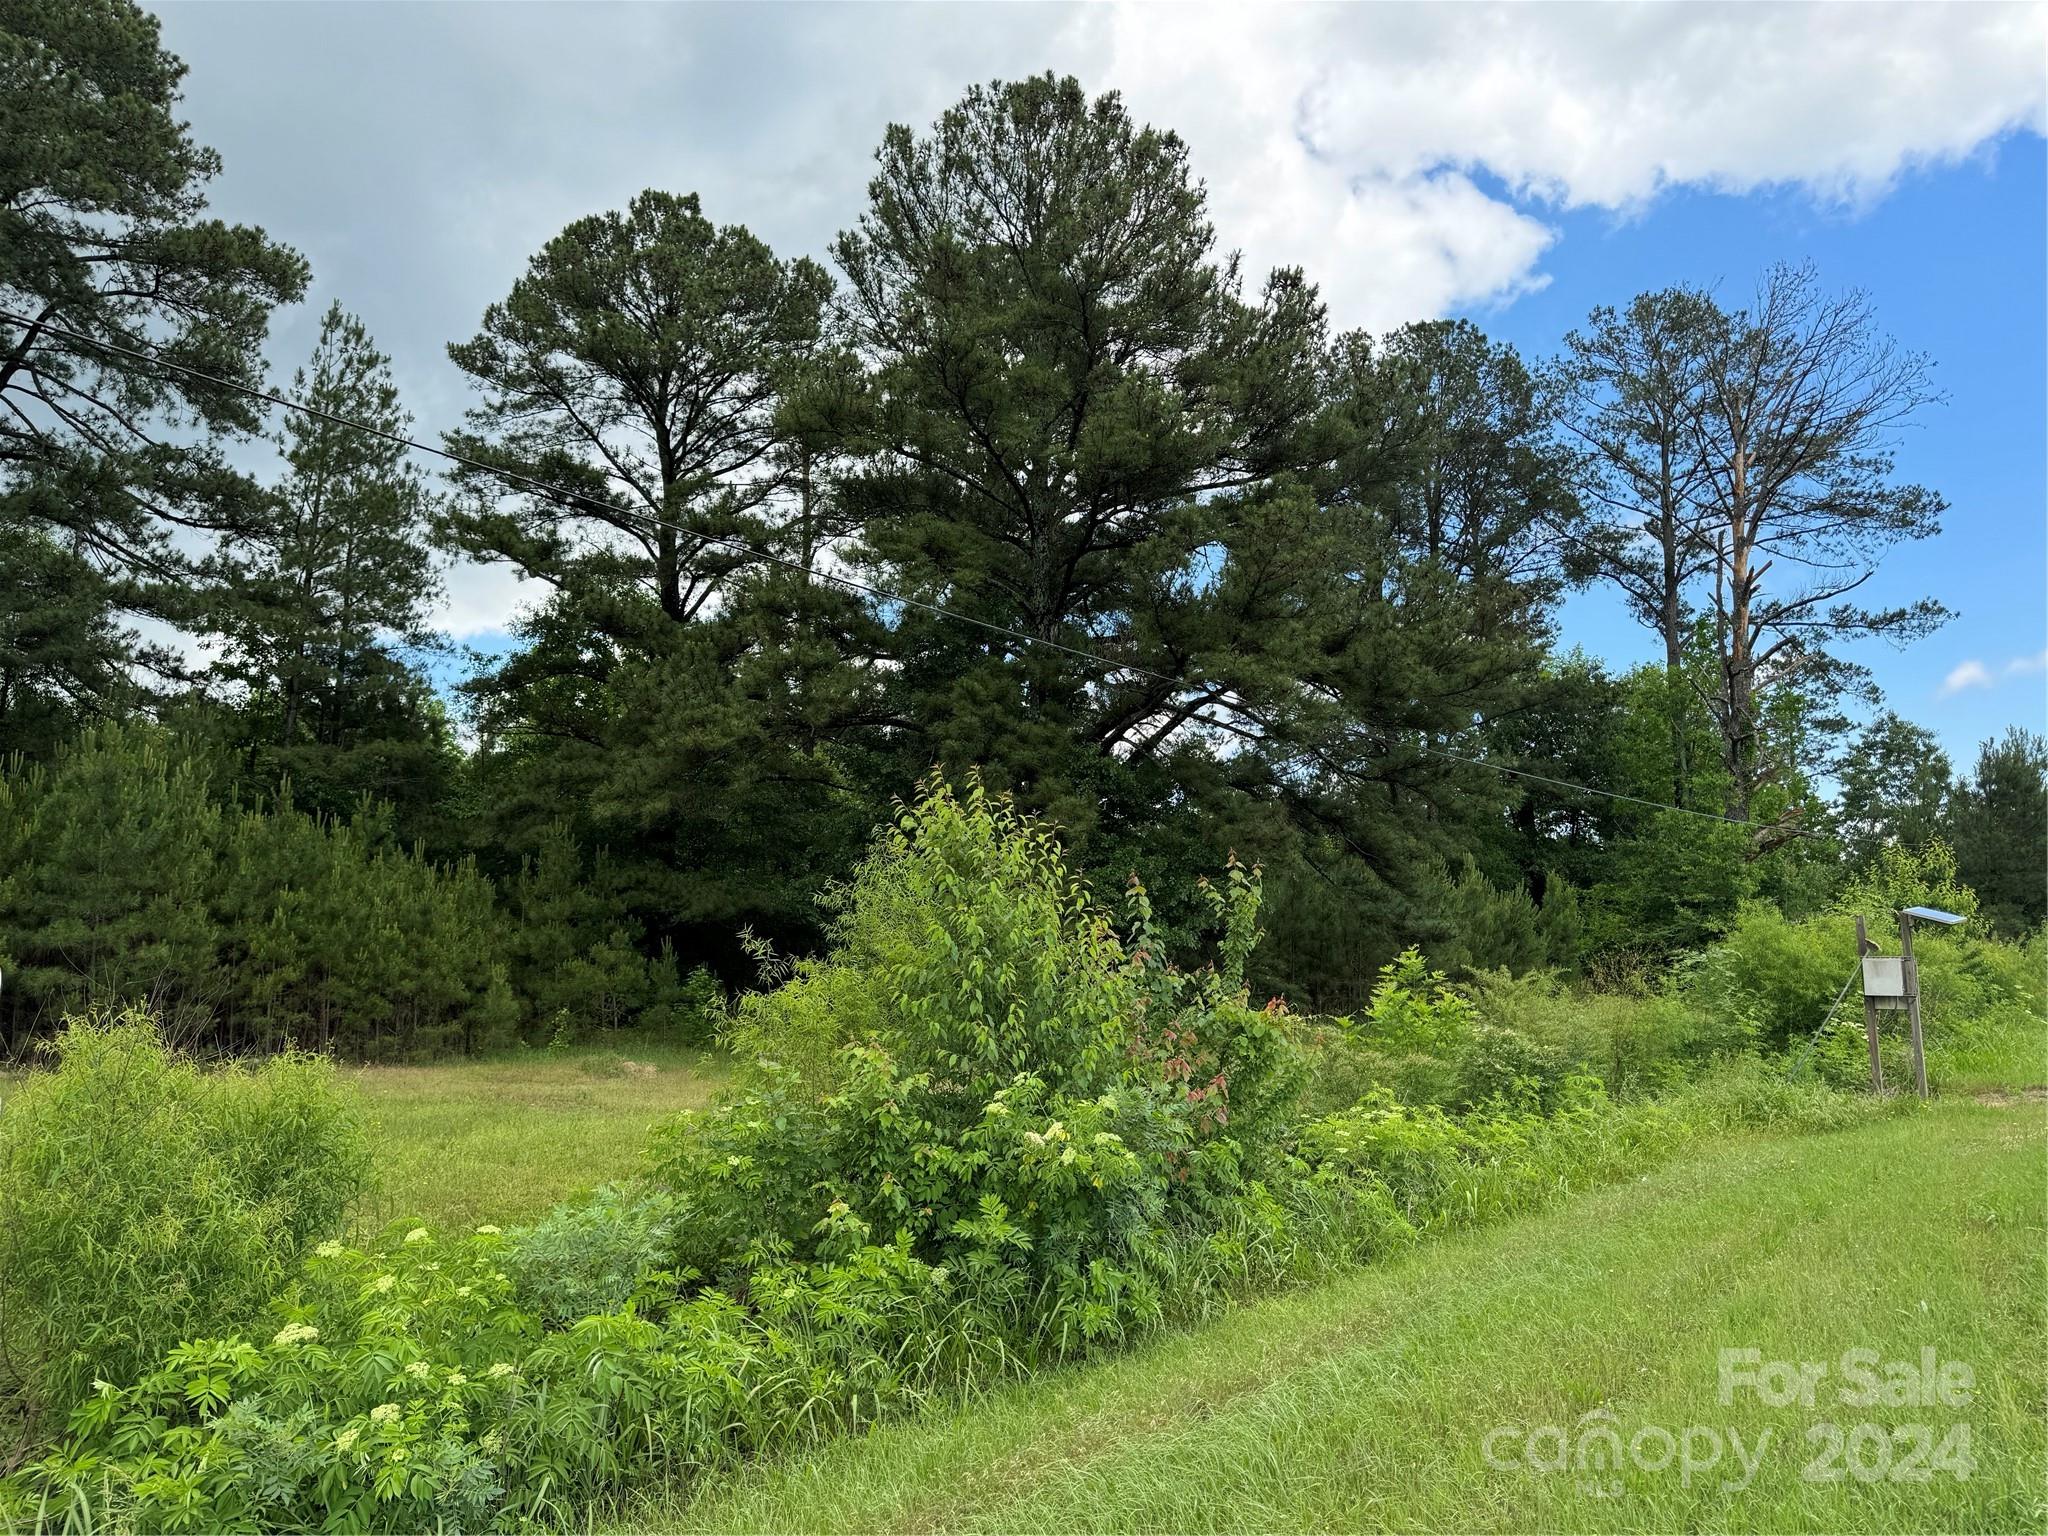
[75,339]
[555,492]
[1814,1039]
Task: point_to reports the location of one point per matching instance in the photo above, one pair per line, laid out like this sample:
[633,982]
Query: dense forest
[1034,480]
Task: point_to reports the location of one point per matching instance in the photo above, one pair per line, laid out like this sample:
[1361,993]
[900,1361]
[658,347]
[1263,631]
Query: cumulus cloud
[1348,138]
[1413,159]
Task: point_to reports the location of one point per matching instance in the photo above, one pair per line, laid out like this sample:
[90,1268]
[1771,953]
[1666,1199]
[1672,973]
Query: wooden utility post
[1864,947]
[1895,983]
[1912,979]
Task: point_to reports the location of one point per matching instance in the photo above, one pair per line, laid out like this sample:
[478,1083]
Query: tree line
[1035,479]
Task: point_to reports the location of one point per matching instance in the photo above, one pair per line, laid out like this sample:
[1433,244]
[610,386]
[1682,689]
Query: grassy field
[501,1139]
[1367,1405]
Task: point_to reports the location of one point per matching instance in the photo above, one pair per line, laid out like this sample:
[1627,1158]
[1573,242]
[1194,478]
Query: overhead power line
[76,339]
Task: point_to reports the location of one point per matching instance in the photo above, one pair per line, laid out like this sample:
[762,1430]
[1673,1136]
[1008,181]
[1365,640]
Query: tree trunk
[1738,723]
[1671,622]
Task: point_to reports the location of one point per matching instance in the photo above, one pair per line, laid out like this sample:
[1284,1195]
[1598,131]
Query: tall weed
[143,1200]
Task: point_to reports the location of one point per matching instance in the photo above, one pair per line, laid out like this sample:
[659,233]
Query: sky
[1516,165]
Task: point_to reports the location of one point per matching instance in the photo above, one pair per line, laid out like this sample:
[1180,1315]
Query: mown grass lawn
[1366,1405]
[501,1139]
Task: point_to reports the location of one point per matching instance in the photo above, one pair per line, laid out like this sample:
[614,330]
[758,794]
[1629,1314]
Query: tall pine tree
[104,234]
[325,595]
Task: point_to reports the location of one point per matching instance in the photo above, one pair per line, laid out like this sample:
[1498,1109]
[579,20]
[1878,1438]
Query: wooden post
[1864,947]
[1913,1002]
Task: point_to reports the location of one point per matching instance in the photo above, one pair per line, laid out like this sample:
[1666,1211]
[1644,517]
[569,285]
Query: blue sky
[1514,163]
[1957,260]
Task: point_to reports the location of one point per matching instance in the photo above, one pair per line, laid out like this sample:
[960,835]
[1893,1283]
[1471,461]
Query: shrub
[1772,979]
[414,1388]
[595,1255]
[1415,1009]
[1500,1065]
[984,1065]
[143,1200]
[1638,1038]
[408,1389]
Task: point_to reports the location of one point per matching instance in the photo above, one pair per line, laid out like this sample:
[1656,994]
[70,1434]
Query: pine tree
[325,595]
[1999,825]
[103,226]
[110,893]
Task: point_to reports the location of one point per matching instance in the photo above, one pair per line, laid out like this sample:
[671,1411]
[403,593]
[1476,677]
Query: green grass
[1364,1405]
[2006,1050]
[501,1139]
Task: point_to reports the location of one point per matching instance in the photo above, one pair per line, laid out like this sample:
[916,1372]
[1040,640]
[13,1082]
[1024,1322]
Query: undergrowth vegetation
[994,1129]
[142,1200]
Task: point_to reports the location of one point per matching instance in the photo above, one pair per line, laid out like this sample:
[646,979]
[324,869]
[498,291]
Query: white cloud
[1968,674]
[1975,674]
[477,599]
[1347,138]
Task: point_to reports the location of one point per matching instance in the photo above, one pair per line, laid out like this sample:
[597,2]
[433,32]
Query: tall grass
[143,1200]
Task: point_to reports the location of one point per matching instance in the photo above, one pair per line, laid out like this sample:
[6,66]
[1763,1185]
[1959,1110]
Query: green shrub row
[127,878]
[992,1131]
[431,1384]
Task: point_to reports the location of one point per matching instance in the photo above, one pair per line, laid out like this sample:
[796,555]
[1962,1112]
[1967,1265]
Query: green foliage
[1894,789]
[320,598]
[577,960]
[127,880]
[1773,979]
[1898,876]
[406,1389]
[1999,820]
[143,1200]
[1488,928]
[107,460]
[411,1385]
[1017,1159]
[592,1256]
[986,1069]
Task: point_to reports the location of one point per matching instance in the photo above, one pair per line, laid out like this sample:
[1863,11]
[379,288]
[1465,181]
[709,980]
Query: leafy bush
[1771,980]
[1638,1039]
[592,1256]
[1414,1008]
[413,1388]
[1500,1065]
[143,1200]
[984,1066]
[409,1390]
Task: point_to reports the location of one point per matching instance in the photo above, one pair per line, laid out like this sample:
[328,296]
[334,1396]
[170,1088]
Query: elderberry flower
[384,1413]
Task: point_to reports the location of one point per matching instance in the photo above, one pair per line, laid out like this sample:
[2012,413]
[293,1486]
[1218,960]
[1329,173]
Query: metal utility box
[1884,980]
